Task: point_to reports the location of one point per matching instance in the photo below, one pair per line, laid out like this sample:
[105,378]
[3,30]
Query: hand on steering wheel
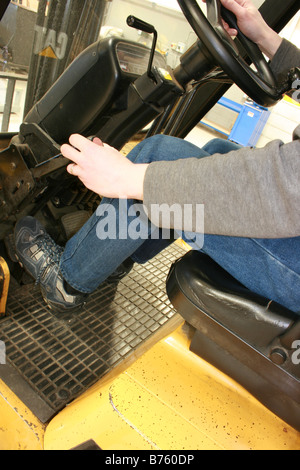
[227,53]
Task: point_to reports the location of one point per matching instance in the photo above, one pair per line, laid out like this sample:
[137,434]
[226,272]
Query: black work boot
[40,257]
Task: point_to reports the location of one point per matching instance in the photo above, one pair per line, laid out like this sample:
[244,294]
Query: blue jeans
[269,267]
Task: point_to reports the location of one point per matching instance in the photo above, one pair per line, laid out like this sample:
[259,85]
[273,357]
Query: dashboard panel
[134,58]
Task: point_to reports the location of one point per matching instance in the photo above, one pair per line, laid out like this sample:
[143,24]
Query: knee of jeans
[222,146]
[144,151]
[214,145]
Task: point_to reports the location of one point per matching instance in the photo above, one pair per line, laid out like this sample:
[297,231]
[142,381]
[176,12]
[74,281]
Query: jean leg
[89,259]
[269,267]
[185,150]
[220,146]
[163,148]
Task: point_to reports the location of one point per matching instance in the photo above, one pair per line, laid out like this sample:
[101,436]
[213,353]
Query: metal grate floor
[61,356]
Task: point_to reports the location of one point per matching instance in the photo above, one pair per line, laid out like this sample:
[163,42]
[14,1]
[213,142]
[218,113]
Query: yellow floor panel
[19,428]
[170,399]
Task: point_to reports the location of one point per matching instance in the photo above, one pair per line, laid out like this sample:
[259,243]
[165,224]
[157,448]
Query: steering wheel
[259,84]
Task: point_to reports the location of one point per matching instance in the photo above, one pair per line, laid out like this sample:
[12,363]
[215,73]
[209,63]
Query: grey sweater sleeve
[247,193]
[287,57]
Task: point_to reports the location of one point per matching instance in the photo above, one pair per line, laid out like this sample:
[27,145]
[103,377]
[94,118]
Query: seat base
[238,332]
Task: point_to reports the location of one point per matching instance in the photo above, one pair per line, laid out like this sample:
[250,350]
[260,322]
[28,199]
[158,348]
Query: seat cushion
[198,282]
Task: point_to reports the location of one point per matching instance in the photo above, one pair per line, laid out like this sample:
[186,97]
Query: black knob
[136,23]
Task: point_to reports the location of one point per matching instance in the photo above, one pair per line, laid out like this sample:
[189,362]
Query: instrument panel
[134,58]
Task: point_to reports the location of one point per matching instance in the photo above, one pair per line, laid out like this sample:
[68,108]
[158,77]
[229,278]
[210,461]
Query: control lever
[49,160]
[58,155]
[141,25]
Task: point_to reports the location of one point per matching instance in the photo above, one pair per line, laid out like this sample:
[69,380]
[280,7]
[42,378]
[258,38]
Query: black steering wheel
[259,84]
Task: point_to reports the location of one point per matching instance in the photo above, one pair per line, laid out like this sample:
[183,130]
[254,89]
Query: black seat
[249,337]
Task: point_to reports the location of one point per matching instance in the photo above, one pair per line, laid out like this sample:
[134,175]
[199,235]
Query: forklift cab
[77,380]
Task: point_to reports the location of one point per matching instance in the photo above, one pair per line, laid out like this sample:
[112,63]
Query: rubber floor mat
[54,358]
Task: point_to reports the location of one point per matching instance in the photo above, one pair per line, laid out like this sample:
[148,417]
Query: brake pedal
[74,221]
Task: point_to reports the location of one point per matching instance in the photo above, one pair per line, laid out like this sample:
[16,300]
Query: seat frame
[246,336]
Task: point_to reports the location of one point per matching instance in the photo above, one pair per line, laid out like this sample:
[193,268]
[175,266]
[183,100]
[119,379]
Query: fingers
[82,143]
[236,6]
[79,142]
[70,153]
[78,145]
[73,169]
[77,150]
[230,31]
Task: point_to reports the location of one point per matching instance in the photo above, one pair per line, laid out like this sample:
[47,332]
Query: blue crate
[249,125]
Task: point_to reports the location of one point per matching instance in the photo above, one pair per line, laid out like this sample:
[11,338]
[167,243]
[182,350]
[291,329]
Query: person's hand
[252,25]
[103,169]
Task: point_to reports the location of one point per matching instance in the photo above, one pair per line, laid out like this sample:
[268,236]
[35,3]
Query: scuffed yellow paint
[170,399]
[19,428]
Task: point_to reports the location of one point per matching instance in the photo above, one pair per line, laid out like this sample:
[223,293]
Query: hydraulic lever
[58,155]
[141,25]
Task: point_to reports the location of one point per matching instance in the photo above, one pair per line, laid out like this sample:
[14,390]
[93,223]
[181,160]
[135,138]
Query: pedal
[73,222]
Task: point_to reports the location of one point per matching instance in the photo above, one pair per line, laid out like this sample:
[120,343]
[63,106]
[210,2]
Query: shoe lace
[54,252]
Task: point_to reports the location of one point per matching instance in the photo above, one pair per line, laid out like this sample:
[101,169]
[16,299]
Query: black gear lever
[141,25]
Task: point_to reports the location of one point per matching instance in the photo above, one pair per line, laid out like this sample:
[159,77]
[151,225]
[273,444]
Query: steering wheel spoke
[215,19]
